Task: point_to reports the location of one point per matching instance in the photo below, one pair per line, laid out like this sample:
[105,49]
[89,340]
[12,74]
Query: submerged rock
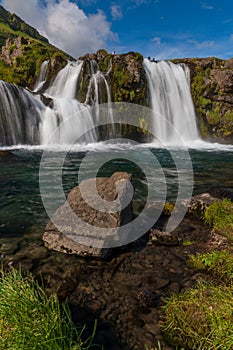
[68,231]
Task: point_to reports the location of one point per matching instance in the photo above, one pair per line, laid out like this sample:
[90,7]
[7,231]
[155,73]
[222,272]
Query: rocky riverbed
[124,292]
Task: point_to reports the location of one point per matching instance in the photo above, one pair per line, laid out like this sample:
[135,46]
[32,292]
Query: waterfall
[171,100]
[20,115]
[67,123]
[41,79]
[68,118]
[24,119]
[65,83]
[99,92]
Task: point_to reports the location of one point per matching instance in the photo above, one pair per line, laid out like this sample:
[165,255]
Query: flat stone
[105,211]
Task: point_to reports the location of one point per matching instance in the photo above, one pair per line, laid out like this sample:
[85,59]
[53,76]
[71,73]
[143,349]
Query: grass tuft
[30,320]
[200,318]
[218,263]
[219,215]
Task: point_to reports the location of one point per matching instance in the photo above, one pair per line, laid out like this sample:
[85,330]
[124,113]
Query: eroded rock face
[13,49]
[212,91]
[125,73]
[72,235]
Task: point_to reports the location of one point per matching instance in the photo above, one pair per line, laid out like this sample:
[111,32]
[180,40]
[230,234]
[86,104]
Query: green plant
[30,320]
[219,215]
[200,318]
[187,242]
[219,263]
[11,48]
[213,117]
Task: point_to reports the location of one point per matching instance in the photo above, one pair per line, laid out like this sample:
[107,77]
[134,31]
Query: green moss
[207,72]
[204,102]
[200,318]
[218,263]
[168,208]
[219,215]
[213,117]
[11,48]
[104,65]
[137,56]
[27,66]
[204,131]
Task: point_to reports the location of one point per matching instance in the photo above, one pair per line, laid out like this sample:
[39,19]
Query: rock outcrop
[212,91]
[71,235]
[125,73]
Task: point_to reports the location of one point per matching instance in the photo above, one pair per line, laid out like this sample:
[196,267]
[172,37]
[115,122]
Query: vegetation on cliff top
[11,25]
[23,51]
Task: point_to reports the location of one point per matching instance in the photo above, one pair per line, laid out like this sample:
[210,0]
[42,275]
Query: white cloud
[65,24]
[30,12]
[157,40]
[146,2]
[202,45]
[116,12]
[206,6]
[231,37]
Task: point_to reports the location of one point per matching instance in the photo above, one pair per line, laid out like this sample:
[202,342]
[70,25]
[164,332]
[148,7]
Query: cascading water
[68,119]
[65,83]
[99,91]
[24,119]
[41,77]
[20,115]
[171,100]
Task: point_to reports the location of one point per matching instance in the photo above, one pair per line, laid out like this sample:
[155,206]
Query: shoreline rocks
[126,291]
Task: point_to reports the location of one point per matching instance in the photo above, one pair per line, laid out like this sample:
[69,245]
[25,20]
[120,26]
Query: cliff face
[212,91]
[125,73]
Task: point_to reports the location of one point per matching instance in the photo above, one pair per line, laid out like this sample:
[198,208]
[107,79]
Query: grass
[200,318]
[219,215]
[218,263]
[30,320]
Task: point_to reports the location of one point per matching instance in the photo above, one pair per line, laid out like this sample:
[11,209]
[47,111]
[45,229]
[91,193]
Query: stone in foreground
[78,226]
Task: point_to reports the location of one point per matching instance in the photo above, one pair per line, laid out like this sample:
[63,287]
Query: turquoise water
[21,207]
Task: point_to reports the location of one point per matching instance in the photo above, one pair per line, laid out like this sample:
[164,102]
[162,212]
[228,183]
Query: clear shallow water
[21,207]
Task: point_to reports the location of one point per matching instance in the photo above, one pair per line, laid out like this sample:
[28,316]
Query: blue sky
[163,29]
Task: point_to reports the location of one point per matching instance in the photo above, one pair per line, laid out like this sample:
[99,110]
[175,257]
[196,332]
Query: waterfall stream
[24,118]
[68,119]
[20,115]
[171,101]
[41,79]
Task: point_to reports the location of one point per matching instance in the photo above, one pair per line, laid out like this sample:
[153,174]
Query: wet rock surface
[125,292]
